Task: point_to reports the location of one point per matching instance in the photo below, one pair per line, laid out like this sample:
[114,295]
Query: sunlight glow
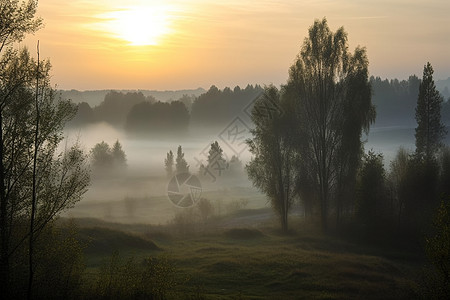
[140,26]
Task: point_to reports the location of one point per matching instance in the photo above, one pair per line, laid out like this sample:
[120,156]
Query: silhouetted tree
[429,131]
[216,161]
[187,101]
[106,160]
[371,192]
[330,88]
[272,168]
[181,164]
[422,192]
[398,180]
[235,166]
[395,100]
[101,156]
[36,184]
[158,118]
[168,163]
[437,281]
[444,160]
[218,108]
[85,116]
[205,208]
[118,156]
[116,106]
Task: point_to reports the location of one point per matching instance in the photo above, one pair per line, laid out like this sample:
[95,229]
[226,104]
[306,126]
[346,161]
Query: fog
[139,193]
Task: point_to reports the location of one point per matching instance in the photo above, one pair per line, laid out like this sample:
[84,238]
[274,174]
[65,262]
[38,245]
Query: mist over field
[139,194]
[224,150]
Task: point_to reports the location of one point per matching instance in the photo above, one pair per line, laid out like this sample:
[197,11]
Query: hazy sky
[177,44]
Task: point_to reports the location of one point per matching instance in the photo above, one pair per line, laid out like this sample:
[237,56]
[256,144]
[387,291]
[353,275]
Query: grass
[243,263]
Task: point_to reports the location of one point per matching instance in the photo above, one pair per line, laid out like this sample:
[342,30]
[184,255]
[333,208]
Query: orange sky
[198,43]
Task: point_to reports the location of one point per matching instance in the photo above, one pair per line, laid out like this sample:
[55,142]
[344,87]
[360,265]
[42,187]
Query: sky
[180,44]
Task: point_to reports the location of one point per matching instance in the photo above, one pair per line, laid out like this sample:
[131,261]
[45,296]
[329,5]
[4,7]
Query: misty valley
[334,184]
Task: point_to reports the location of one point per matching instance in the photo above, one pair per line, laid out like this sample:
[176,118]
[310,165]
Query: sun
[139,26]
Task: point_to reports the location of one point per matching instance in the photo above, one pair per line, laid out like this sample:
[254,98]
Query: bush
[437,280]
[58,265]
[151,278]
[371,191]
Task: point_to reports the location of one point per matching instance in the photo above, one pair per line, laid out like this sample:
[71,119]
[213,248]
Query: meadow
[220,261]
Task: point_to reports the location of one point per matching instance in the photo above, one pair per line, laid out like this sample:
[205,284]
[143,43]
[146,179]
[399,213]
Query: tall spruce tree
[181,164]
[168,163]
[429,131]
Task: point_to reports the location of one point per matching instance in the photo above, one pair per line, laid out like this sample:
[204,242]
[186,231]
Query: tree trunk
[34,192]
[4,249]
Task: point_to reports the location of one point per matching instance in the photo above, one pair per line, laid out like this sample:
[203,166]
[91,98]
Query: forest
[334,185]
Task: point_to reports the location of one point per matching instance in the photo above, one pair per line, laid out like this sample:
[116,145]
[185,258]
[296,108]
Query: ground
[261,263]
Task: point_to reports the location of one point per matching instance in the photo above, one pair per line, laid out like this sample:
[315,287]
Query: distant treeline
[395,103]
[95,97]
[141,114]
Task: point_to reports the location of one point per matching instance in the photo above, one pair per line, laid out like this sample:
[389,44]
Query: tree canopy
[429,131]
[330,89]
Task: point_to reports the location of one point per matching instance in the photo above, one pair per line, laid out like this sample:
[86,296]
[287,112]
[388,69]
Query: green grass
[263,264]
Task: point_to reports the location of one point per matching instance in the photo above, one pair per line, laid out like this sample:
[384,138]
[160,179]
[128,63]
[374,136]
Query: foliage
[180,163]
[414,189]
[235,165]
[101,156]
[18,19]
[331,97]
[118,155]
[398,183]
[218,107]
[216,162]
[437,282]
[371,191]
[61,178]
[59,264]
[168,163]
[205,209]
[158,118]
[116,106]
[272,168]
[395,100]
[429,131]
[105,159]
[444,161]
[153,278]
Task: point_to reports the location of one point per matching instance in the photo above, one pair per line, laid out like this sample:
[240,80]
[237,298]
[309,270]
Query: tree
[101,157]
[168,163]
[205,208]
[332,96]
[235,166]
[107,160]
[437,249]
[371,191]
[429,131]
[158,118]
[216,161]
[272,167]
[118,156]
[18,19]
[36,183]
[181,164]
[445,171]
[398,179]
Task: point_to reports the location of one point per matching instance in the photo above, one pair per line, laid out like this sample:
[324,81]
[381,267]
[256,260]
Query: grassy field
[248,263]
